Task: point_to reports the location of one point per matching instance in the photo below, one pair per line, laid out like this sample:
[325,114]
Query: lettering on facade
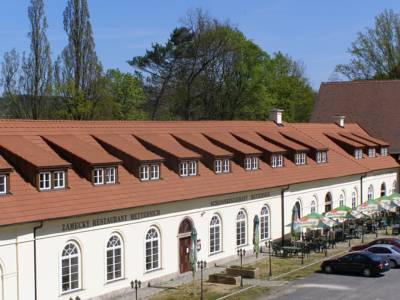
[241,198]
[109,220]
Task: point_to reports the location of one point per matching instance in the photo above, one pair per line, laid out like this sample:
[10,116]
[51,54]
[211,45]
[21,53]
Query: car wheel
[393,264]
[367,272]
[328,269]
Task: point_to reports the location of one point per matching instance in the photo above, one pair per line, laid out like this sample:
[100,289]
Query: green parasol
[256,235]
[193,250]
[370,207]
[340,213]
[386,203]
[395,197]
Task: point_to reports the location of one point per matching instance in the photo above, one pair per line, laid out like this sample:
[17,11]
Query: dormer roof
[301,138]
[258,142]
[231,143]
[341,139]
[282,141]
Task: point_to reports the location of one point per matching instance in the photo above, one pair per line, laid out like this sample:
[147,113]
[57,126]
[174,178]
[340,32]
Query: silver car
[392,253]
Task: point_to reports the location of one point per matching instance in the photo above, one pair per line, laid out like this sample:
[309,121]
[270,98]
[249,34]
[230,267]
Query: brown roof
[358,139]
[371,139]
[232,143]
[88,150]
[303,139]
[345,140]
[373,104]
[167,143]
[258,142]
[4,165]
[39,157]
[283,141]
[129,145]
[27,204]
[199,141]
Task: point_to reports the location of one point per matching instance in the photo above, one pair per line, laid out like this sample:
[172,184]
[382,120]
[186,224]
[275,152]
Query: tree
[79,68]
[375,54]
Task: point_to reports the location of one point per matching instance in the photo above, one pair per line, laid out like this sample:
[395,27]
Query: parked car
[388,252]
[386,241]
[364,263]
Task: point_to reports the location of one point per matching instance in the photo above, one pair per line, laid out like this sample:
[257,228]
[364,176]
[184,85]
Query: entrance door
[184,249]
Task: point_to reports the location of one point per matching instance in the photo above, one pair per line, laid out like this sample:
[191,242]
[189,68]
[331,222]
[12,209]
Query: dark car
[364,263]
[386,241]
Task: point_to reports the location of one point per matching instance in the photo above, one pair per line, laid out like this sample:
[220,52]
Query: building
[373,104]
[88,206]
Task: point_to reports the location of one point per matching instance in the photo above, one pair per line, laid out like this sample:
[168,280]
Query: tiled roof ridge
[366,81]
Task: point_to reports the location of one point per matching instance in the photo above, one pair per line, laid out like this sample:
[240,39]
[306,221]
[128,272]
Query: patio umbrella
[314,221]
[340,213]
[193,251]
[395,197]
[386,203]
[256,235]
[370,207]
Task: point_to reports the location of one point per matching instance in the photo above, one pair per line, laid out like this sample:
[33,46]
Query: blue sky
[316,32]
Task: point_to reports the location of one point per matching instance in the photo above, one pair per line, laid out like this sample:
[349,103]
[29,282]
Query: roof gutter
[361,186]
[283,214]
[34,257]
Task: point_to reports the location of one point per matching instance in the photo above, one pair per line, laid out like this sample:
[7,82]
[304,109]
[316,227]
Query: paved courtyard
[332,287]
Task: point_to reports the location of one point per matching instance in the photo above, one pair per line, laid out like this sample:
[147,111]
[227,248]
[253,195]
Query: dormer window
[221,166]
[149,172]
[358,153]
[3,184]
[251,163]
[322,157]
[44,181]
[188,168]
[98,176]
[384,151]
[300,159]
[371,152]
[277,160]
[110,175]
[59,179]
[104,175]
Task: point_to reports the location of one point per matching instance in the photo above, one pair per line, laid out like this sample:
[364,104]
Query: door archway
[328,202]
[185,244]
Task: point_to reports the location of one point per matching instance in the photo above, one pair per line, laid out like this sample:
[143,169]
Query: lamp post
[270,258]
[201,265]
[241,253]
[136,285]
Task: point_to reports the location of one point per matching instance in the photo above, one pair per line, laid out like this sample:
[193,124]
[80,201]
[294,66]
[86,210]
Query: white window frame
[154,171]
[300,159]
[370,194]
[218,166]
[144,172]
[69,258]
[394,186]
[226,166]
[265,223]
[358,153]
[276,160]
[114,244]
[192,168]
[384,151]
[313,206]
[254,163]
[321,157]
[59,176]
[215,234]
[342,199]
[113,175]
[46,181]
[241,228]
[371,152]
[354,199]
[383,184]
[149,241]
[247,163]
[3,190]
[98,173]
[183,169]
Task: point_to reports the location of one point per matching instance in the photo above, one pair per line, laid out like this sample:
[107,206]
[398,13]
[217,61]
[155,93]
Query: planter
[246,272]
[224,279]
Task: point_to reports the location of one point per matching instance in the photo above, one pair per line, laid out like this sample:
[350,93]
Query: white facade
[132,225]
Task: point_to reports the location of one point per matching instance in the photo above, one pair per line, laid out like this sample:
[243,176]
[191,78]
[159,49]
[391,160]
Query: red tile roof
[283,141]
[39,157]
[303,139]
[128,145]
[232,143]
[199,141]
[358,139]
[371,139]
[4,165]
[27,204]
[345,140]
[258,142]
[92,152]
[167,143]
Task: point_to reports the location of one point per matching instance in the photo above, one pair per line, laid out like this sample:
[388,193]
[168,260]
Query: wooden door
[184,248]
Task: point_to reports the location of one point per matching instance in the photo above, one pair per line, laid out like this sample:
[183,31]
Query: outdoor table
[291,250]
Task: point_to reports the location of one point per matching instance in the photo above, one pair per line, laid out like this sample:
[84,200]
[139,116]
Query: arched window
[370,194]
[383,189]
[70,268]
[328,202]
[114,258]
[152,249]
[264,223]
[342,199]
[215,234]
[241,228]
[313,206]
[354,199]
[394,187]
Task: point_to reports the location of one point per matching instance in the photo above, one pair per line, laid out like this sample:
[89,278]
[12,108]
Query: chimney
[339,120]
[275,115]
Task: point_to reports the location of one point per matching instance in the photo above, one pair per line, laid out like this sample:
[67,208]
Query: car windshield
[396,249]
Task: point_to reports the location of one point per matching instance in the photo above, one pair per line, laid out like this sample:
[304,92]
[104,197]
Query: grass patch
[252,293]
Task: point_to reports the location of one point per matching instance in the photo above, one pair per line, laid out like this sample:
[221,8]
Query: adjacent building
[88,206]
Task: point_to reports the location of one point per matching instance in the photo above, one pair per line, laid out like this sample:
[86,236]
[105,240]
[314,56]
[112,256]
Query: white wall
[16,245]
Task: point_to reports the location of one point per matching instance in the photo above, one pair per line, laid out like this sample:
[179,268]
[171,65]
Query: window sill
[108,282]
[242,246]
[153,270]
[71,291]
[216,253]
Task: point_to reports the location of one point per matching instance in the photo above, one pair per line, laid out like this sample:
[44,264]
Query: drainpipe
[283,214]
[34,256]
[361,186]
